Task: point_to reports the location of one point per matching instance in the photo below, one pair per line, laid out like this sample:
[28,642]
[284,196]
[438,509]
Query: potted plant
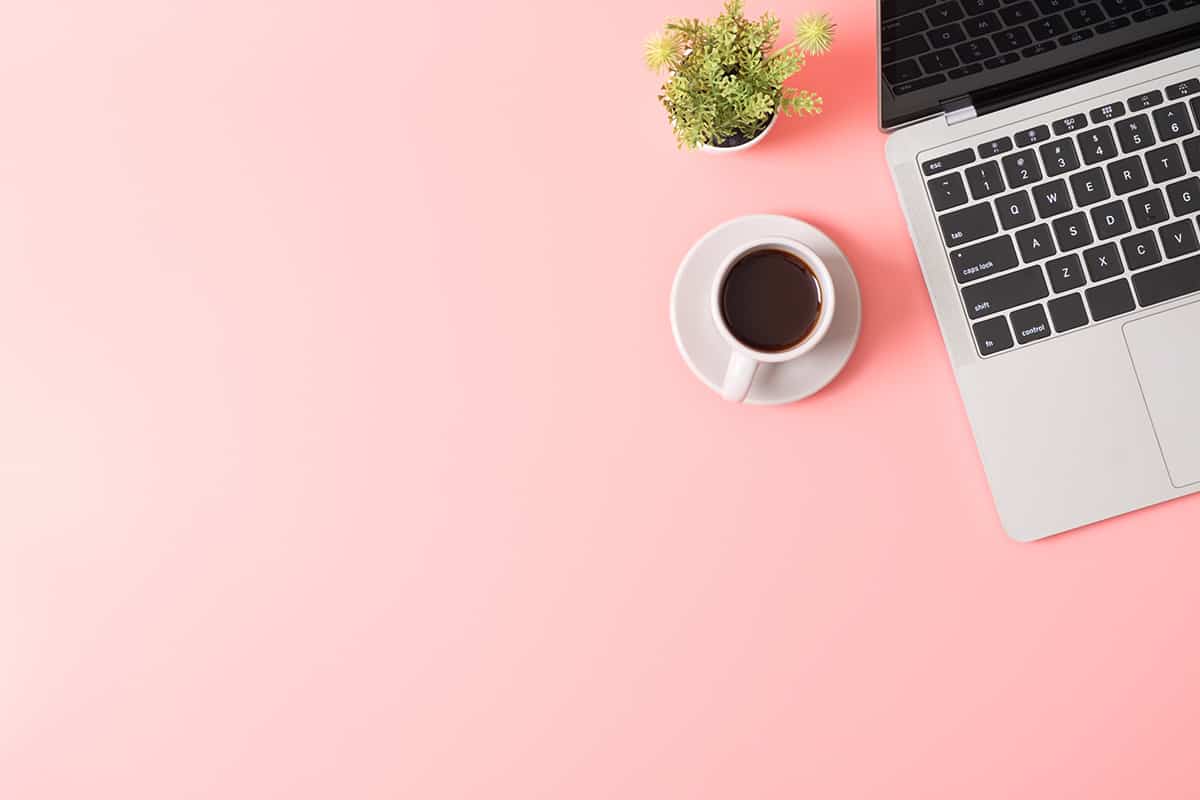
[724,87]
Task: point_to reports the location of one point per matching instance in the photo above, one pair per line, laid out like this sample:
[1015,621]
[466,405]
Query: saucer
[708,354]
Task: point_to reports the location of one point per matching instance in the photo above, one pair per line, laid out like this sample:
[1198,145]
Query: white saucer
[708,354]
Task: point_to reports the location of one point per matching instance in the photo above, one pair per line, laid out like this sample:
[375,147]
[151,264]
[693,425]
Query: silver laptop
[1047,157]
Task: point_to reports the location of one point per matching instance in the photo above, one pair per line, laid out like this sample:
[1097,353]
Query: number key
[947,191]
[1021,169]
[1059,157]
[984,180]
[1135,133]
[1096,145]
[1172,121]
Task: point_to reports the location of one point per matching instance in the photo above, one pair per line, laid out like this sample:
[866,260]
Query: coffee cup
[772,301]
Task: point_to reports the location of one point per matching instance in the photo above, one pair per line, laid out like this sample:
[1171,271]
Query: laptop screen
[939,53]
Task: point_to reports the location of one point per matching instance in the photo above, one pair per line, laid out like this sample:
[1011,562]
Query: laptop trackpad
[1166,350]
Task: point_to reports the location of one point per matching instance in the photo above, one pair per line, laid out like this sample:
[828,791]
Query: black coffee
[770,300]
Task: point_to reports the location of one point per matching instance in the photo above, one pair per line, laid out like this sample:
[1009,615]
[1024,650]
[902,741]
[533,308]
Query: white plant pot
[709,148]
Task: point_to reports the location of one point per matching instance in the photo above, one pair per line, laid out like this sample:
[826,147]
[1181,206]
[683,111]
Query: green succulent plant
[724,83]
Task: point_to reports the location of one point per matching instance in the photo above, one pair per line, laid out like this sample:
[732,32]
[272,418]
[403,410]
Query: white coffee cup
[744,360]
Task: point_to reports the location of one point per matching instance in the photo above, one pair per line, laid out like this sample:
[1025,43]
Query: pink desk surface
[346,451]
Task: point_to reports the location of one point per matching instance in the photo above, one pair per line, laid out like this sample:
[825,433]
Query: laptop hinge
[958,109]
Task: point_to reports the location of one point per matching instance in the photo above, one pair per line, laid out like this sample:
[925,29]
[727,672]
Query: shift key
[968,224]
[1005,292]
[983,259]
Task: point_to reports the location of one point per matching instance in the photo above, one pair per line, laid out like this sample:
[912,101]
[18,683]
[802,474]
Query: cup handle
[739,374]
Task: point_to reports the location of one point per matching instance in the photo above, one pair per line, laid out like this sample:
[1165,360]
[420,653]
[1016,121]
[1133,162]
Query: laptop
[1046,154]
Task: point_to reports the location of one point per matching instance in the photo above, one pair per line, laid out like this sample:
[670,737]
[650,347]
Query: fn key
[992,335]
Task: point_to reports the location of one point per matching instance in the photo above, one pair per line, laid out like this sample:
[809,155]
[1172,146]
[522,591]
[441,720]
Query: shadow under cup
[770,299]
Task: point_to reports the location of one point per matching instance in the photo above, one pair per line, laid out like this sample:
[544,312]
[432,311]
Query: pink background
[345,450]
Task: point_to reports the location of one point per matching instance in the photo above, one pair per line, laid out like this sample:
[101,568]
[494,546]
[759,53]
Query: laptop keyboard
[927,42]
[1073,222]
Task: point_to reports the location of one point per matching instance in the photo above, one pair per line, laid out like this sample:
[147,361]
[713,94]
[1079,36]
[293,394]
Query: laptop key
[980,6]
[1048,27]
[1097,145]
[1067,313]
[902,71]
[1001,145]
[1002,60]
[948,161]
[1014,209]
[1089,186]
[1148,208]
[1116,8]
[946,12]
[1030,324]
[1021,168]
[1165,163]
[1052,198]
[1059,156]
[992,335]
[1035,243]
[1085,16]
[1191,148]
[1172,121]
[947,35]
[1145,100]
[1178,238]
[899,28]
[984,180]
[1127,175]
[1110,220]
[947,191]
[1032,136]
[1019,13]
[975,50]
[1149,12]
[1065,273]
[968,224]
[1168,282]
[1107,112]
[1072,232]
[1109,299]
[1140,250]
[1183,89]
[1011,39]
[1006,291]
[1103,262]
[1184,196]
[1113,25]
[1135,133]
[985,258]
[939,61]
[982,25]
[1075,37]
[1070,125]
